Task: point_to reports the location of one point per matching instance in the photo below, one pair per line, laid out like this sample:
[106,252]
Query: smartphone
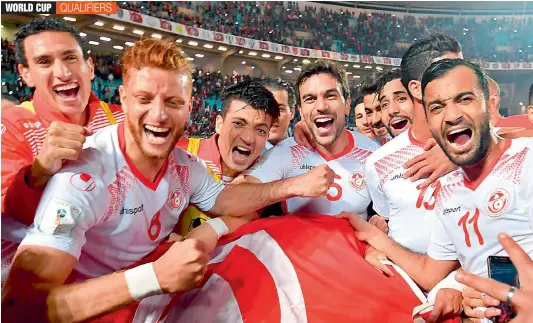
[503,270]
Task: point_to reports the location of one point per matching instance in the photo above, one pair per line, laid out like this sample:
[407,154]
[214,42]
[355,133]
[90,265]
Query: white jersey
[105,213]
[410,211]
[470,215]
[349,191]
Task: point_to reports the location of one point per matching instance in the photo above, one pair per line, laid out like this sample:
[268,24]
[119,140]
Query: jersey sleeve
[441,246]
[204,188]
[17,158]
[67,210]
[272,166]
[379,199]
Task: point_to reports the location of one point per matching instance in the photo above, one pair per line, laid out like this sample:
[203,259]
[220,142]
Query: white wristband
[219,226]
[448,282]
[142,281]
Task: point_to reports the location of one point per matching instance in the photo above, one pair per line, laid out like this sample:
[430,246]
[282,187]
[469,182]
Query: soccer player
[40,135]
[325,102]
[123,197]
[242,129]
[524,121]
[395,103]
[369,88]
[490,193]
[414,207]
[362,122]
[285,95]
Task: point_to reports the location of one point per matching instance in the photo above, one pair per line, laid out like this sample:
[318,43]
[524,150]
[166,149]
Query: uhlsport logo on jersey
[357,180]
[83,182]
[175,199]
[498,203]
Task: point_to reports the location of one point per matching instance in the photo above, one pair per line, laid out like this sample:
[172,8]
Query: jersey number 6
[155,227]
[336,197]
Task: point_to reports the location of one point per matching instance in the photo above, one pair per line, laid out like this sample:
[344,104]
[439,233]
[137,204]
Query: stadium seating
[377,34]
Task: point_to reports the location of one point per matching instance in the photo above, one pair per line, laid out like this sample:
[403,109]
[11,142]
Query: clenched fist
[314,183]
[182,267]
[64,141]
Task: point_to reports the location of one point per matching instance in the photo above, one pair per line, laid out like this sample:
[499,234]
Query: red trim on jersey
[208,152]
[346,150]
[413,140]
[140,176]
[521,120]
[50,114]
[475,184]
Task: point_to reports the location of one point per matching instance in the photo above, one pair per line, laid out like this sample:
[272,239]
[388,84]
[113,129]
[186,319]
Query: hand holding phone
[503,270]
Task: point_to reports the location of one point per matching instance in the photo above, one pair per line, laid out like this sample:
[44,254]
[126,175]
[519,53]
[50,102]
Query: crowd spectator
[340,30]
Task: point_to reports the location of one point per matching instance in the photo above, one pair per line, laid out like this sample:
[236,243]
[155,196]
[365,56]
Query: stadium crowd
[378,34]
[124,219]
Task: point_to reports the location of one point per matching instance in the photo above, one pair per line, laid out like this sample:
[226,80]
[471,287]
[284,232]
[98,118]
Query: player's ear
[530,112]
[293,112]
[90,65]
[218,124]
[25,73]
[122,94]
[348,107]
[416,89]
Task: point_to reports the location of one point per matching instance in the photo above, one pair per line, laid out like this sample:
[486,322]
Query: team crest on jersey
[2,129]
[83,182]
[498,203]
[175,199]
[357,180]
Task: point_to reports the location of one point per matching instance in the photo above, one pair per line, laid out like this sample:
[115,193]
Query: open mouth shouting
[67,92]
[240,154]
[324,124]
[460,138]
[398,125]
[156,135]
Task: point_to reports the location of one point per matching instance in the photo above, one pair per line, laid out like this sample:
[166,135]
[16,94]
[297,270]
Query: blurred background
[229,41]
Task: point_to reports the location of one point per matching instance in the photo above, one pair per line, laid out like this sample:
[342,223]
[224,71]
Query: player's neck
[477,171]
[337,147]
[420,127]
[148,167]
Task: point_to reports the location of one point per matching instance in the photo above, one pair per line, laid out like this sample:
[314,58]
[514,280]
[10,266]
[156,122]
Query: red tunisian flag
[295,268]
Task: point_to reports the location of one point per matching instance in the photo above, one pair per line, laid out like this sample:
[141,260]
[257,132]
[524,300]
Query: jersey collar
[346,150]
[473,185]
[212,153]
[138,174]
[413,140]
[50,114]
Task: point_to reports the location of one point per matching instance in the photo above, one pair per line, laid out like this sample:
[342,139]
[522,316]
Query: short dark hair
[325,67]
[252,93]
[440,68]
[40,25]
[358,98]
[531,95]
[276,83]
[370,83]
[420,55]
[386,78]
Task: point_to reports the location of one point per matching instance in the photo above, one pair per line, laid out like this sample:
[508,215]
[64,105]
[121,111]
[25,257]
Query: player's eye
[143,99]
[466,100]
[71,58]
[237,123]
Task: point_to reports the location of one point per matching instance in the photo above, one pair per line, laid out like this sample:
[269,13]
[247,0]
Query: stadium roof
[443,7]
